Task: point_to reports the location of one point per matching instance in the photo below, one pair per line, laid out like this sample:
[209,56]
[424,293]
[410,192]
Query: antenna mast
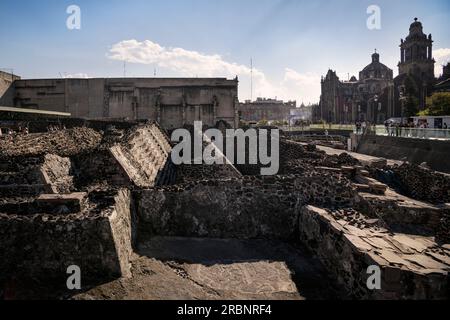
[251,79]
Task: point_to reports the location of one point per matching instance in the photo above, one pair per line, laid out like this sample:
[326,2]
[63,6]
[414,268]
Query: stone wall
[57,171]
[398,212]
[7,91]
[44,245]
[252,207]
[412,267]
[98,167]
[423,184]
[416,151]
[170,101]
[22,177]
[268,110]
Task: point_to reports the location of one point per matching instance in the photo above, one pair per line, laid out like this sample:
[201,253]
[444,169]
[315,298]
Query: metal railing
[380,130]
[312,127]
[414,133]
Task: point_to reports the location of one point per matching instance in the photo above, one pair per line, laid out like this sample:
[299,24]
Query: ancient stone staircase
[25,179]
[144,156]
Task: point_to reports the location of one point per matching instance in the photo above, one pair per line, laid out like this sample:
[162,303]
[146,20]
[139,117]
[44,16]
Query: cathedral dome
[376,70]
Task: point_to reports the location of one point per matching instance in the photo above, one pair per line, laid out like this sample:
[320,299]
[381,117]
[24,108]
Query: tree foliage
[263,122]
[437,105]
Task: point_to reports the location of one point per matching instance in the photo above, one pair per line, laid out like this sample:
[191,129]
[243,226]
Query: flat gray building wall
[7,88]
[172,102]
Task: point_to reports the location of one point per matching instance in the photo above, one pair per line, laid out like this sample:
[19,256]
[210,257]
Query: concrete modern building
[173,102]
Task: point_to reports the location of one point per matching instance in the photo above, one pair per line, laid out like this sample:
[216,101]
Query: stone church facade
[376,96]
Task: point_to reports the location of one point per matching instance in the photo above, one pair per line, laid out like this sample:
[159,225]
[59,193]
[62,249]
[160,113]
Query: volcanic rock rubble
[111,202]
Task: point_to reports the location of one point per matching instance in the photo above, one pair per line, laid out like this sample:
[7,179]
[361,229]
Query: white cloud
[442,57]
[189,63]
[306,85]
[302,87]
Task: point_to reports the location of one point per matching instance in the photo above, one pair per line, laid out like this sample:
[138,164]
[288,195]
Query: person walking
[364,126]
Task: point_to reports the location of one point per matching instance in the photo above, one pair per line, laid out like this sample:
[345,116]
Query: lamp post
[375,101]
[402,99]
[371,108]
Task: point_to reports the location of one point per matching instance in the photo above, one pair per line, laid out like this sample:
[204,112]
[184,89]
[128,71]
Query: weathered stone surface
[248,208]
[72,202]
[89,204]
[193,268]
[143,156]
[44,246]
[57,171]
[413,271]
[62,143]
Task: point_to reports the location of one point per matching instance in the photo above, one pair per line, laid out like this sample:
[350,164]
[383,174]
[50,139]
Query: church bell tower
[416,54]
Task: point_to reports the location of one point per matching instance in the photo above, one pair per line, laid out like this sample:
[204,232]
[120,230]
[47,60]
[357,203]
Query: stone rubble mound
[63,143]
[424,184]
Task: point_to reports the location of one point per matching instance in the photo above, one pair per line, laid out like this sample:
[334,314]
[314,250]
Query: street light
[371,108]
[402,99]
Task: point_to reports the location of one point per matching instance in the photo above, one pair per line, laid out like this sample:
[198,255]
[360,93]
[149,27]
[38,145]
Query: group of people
[409,129]
[362,127]
[24,130]
[54,127]
[398,129]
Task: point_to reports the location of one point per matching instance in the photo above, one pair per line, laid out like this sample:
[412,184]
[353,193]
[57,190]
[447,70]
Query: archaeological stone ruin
[107,197]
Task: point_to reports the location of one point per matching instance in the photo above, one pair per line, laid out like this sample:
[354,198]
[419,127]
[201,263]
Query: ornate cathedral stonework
[367,99]
[416,67]
[416,53]
[376,96]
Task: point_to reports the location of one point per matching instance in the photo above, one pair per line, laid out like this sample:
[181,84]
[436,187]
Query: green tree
[263,122]
[411,106]
[438,105]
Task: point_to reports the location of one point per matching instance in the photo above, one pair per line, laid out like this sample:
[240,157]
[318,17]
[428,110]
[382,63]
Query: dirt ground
[191,269]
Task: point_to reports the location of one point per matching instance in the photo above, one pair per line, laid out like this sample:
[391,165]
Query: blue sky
[292,42]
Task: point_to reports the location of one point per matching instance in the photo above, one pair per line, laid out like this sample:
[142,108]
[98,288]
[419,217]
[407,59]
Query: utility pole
[124,68]
[251,79]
